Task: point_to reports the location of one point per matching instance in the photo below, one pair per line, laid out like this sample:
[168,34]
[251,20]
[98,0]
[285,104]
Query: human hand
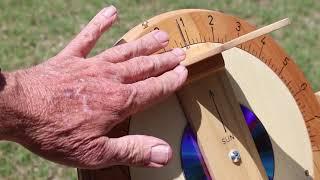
[67,105]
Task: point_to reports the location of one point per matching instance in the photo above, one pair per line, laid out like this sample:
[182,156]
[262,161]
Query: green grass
[34,30]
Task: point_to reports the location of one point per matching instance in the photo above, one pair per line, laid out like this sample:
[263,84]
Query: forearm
[11,114]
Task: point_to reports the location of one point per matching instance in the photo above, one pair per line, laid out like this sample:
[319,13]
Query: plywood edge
[316,154]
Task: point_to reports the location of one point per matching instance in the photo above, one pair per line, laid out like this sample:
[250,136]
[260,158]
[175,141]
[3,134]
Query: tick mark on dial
[187,36]
[263,43]
[176,43]
[272,66]
[254,52]
[285,64]
[249,48]
[281,70]
[193,41]
[181,34]
[212,32]
[289,83]
[303,87]
[313,118]
[201,41]
[269,62]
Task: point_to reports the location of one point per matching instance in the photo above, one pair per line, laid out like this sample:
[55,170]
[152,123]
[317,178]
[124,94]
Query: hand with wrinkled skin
[63,108]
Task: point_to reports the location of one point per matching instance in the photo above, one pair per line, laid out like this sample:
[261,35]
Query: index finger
[154,89]
[146,45]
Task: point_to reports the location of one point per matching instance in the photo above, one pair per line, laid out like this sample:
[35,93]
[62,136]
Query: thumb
[139,150]
[131,150]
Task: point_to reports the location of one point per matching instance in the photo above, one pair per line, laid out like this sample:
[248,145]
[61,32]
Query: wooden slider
[204,68]
[214,114]
[237,41]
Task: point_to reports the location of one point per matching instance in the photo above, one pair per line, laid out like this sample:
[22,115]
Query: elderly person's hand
[63,108]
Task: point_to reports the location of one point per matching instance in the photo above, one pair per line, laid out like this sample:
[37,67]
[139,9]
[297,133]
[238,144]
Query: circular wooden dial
[195,30]
[195,27]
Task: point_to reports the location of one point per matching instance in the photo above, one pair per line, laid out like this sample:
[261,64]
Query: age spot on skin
[85,106]
[69,93]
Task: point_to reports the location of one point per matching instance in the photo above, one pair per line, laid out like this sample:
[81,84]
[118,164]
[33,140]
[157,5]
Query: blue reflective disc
[193,164]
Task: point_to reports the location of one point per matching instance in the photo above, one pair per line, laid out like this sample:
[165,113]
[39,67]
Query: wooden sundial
[245,113]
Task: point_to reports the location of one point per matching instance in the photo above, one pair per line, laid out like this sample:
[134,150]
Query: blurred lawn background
[34,30]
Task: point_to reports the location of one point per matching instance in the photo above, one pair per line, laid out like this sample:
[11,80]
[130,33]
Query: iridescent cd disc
[192,161]
[261,139]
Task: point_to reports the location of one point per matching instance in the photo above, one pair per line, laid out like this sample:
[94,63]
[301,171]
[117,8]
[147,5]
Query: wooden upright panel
[215,115]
